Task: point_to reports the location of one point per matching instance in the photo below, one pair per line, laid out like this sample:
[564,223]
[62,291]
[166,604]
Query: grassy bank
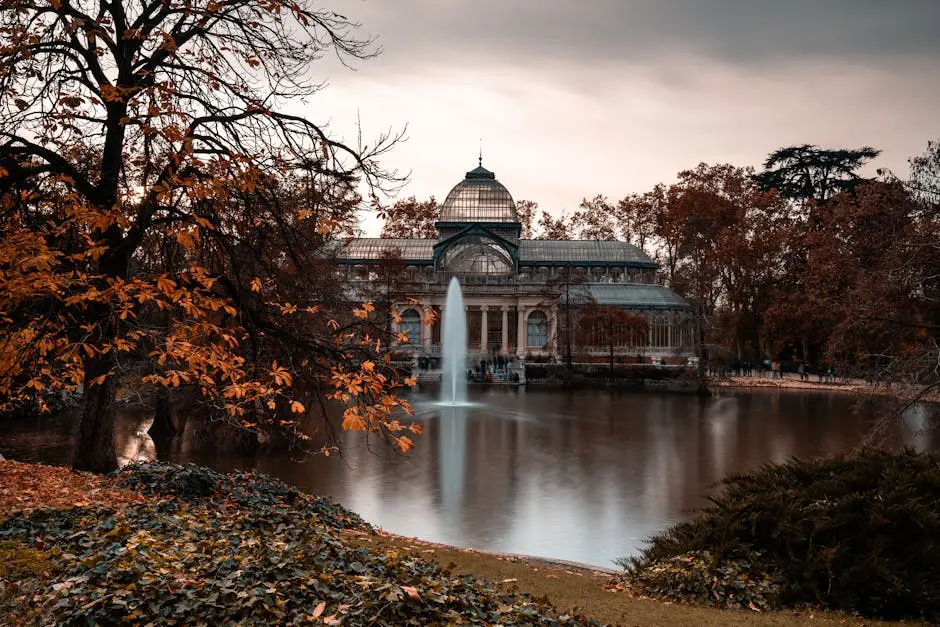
[186,545]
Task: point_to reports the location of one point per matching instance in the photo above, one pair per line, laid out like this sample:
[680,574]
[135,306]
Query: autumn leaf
[412,592]
[98,380]
[352,421]
[297,407]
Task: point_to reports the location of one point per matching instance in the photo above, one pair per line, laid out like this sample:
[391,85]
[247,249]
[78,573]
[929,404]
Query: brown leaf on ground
[31,486]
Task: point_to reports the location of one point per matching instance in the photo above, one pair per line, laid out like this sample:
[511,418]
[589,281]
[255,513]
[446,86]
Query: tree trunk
[94,450]
[610,337]
[162,426]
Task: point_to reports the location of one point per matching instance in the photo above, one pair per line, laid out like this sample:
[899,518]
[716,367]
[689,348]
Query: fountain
[453,426]
[454,350]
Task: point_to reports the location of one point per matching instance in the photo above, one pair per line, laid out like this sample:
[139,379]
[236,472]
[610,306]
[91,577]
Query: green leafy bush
[855,533]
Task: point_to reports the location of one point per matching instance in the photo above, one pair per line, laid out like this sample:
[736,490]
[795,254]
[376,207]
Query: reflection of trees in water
[581,475]
[919,424]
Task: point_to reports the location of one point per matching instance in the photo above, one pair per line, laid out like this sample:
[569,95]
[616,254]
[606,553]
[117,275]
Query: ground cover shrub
[225,553]
[857,533]
[200,485]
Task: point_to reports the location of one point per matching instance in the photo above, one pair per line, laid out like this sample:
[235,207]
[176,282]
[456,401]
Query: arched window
[537,329]
[411,325]
[477,255]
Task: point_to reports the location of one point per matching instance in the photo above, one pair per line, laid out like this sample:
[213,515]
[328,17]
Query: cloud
[418,33]
[613,96]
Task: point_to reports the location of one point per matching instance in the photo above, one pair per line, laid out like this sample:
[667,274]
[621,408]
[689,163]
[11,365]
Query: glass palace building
[520,294]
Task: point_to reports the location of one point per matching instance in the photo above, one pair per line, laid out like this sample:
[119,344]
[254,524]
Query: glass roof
[479,198]
[535,252]
[372,248]
[630,294]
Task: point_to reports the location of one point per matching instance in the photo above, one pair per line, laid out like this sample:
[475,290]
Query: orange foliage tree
[147,213]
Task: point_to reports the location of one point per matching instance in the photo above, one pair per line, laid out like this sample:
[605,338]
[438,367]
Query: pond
[583,476]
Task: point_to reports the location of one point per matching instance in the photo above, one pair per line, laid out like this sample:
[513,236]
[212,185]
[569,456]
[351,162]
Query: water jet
[454,347]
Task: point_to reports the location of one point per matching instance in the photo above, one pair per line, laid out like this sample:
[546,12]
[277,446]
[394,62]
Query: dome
[479,198]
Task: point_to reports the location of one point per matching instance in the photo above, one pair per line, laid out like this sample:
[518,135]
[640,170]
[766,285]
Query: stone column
[484,328]
[426,331]
[505,329]
[553,331]
[521,332]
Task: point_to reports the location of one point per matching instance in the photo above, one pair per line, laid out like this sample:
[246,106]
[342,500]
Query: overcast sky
[573,99]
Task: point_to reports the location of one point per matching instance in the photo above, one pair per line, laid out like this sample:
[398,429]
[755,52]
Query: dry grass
[584,590]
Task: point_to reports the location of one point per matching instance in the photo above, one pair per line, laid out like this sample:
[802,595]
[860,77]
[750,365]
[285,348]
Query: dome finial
[480,158]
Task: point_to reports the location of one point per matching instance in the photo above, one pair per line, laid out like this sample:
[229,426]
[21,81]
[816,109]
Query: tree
[610,326]
[638,214]
[125,126]
[385,282]
[924,182]
[717,237]
[552,228]
[411,218]
[875,264]
[809,173]
[597,219]
[809,177]
[525,210]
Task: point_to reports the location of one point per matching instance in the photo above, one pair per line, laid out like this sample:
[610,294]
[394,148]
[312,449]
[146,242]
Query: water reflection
[583,476]
[452,453]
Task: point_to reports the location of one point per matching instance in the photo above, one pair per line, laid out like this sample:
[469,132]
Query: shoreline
[523,558]
[856,387]
[786,383]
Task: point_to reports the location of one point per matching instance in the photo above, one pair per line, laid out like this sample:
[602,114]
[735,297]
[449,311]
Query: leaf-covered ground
[29,486]
[206,548]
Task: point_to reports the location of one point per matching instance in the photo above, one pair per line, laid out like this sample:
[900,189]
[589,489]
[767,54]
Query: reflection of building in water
[519,292]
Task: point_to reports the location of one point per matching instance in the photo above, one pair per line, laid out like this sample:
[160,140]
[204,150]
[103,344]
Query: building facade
[523,297]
